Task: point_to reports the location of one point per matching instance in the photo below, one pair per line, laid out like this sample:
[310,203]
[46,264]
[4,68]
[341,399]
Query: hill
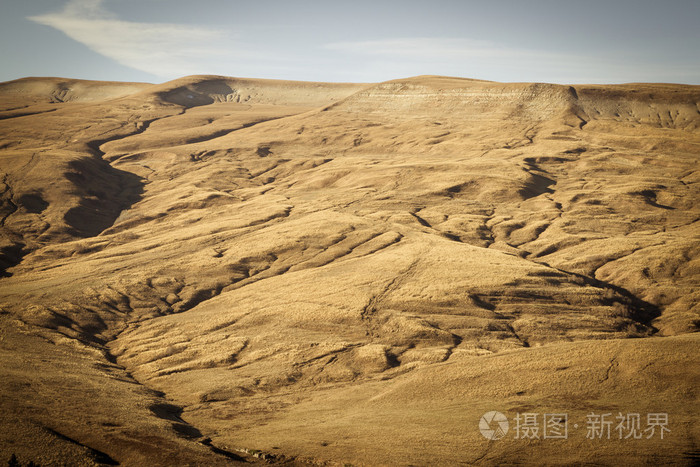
[213,269]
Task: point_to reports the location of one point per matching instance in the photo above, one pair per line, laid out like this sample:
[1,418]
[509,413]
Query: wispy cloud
[170,50]
[162,49]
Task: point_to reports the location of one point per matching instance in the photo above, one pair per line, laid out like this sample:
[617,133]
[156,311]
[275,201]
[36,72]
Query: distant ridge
[56,90]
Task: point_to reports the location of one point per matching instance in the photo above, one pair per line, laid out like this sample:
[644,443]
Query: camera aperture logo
[493,425]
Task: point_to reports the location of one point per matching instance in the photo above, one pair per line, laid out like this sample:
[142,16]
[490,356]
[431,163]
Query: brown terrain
[214,270]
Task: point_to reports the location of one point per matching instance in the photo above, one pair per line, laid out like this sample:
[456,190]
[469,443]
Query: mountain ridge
[237,266]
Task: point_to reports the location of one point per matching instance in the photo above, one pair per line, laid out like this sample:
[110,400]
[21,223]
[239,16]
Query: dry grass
[344,273]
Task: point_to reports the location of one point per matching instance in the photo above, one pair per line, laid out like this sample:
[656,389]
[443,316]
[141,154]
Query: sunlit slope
[273,255]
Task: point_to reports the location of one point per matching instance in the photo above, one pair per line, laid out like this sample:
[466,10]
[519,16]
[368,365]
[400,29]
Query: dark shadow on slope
[140,127]
[693,457]
[222,452]
[10,256]
[104,191]
[97,456]
[481,302]
[641,311]
[33,203]
[537,185]
[4,115]
[197,94]
[172,413]
[262,151]
[650,198]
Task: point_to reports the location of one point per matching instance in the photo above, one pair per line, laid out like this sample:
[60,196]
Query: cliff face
[276,257]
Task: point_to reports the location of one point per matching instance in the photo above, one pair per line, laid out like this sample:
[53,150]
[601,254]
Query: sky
[555,41]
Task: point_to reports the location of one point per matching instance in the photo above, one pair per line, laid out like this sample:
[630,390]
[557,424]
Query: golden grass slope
[347,273]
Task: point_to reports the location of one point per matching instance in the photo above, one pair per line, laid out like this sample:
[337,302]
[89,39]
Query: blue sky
[360,41]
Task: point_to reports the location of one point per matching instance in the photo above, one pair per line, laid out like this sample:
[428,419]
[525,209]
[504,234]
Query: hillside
[203,269]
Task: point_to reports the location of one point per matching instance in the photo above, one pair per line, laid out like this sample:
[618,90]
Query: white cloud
[170,50]
[162,49]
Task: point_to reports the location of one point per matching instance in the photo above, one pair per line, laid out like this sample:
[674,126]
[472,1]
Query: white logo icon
[493,425]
